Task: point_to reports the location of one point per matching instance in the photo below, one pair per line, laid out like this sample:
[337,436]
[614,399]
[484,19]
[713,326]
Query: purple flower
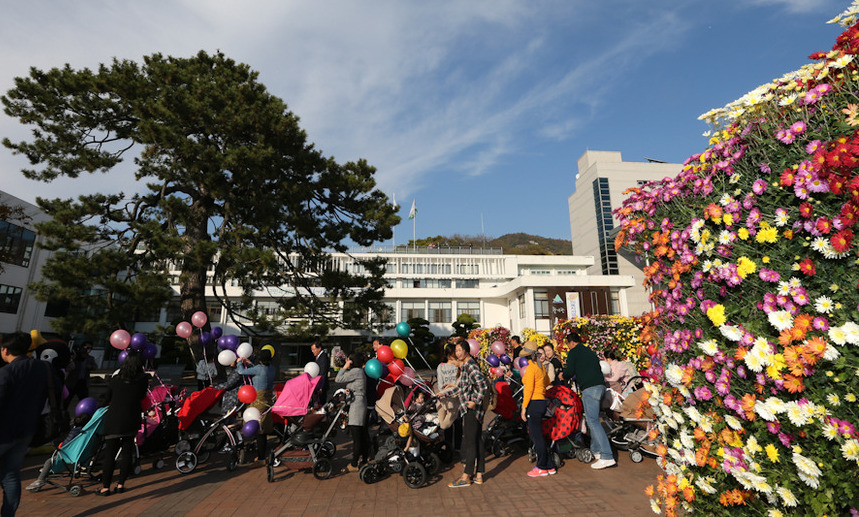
[764,168]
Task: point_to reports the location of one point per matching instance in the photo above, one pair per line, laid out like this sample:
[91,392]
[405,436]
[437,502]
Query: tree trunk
[197,258]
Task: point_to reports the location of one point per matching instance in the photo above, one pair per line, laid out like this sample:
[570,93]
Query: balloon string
[413,369]
[419,353]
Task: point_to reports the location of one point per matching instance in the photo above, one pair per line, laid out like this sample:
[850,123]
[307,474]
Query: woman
[125,392]
[534,383]
[262,379]
[621,372]
[353,376]
[471,388]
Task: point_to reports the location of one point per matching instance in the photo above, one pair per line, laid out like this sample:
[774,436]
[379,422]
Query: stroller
[506,430]
[204,436]
[627,429]
[412,451]
[307,436]
[563,428]
[160,427]
[78,454]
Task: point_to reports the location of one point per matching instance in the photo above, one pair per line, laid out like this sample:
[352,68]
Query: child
[78,426]
[205,372]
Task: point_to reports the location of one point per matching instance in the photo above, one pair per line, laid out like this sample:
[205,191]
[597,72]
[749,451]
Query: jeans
[11,458]
[591,398]
[535,411]
[472,444]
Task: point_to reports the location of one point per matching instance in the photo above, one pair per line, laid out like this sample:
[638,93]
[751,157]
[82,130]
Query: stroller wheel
[137,469]
[182,446]
[585,455]
[636,456]
[232,465]
[414,475]
[499,449]
[558,459]
[186,462]
[322,468]
[326,449]
[76,490]
[433,464]
[158,464]
[367,474]
[269,468]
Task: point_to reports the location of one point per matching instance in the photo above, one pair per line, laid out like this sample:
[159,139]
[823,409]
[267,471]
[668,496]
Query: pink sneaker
[551,472]
[536,473]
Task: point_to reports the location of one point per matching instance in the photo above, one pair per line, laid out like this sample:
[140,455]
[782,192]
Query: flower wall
[753,269]
[620,334]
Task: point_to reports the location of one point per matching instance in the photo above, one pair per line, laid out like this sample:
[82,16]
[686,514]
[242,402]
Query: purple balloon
[205,338]
[523,362]
[217,332]
[232,342]
[86,406]
[122,356]
[138,341]
[385,371]
[493,360]
[505,359]
[149,351]
[250,429]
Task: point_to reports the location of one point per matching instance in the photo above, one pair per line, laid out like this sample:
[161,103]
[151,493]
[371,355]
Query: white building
[19,309]
[602,178]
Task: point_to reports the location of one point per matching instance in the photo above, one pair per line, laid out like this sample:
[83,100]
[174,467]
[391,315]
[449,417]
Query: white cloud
[795,6]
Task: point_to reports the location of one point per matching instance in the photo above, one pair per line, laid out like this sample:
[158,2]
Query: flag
[396,206]
[414,211]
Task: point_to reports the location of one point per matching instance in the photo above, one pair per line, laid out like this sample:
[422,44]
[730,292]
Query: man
[516,343]
[321,358]
[584,365]
[77,380]
[23,391]
[550,357]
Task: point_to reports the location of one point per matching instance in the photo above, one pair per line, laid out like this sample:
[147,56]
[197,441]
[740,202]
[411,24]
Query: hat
[528,349]
[264,355]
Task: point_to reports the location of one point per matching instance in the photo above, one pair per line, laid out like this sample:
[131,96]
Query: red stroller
[564,426]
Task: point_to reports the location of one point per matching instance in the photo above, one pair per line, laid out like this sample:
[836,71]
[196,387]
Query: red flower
[842,240]
[807,267]
[786,179]
[853,187]
[836,185]
[806,210]
[823,225]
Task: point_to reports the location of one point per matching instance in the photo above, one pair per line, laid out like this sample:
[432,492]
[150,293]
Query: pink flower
[785,136]
[759,186]
[813,146]
[820,323]
[798,128]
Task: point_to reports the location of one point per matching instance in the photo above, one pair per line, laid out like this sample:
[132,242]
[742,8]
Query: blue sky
[476,109]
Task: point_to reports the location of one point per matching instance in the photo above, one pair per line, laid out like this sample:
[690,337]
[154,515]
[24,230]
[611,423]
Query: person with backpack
[534,383]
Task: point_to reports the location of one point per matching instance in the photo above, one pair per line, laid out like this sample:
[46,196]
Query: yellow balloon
[400,348]
[36,339]
[404,429]
[269,348]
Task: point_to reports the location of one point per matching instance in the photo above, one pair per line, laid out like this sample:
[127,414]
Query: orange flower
[803,321]
[786,337]
[748,405]
[793,383]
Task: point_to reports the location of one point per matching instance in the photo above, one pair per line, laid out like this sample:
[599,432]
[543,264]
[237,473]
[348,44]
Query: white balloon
[251,413]
[244,350]
[311,369]
[226,357]
[605,367]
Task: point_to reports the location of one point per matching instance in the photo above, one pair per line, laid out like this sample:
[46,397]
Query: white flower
[654,506]
[823,304]
[806,466]
[850,450]
[776,405]
[674,374]
[787,496]
[764,411]
[831,353]
[812,481]
[754,362]
[731,332]
[830,432]
[781,320]
[833,399]
[733,422]
[774,512]
[693,414]
[704,483]
[838,336]
[781,218]
[852,331]
[709,347]
[784,288]
[798,415]
[725,200]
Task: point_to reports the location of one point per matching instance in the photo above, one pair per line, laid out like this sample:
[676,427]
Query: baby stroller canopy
[296,394]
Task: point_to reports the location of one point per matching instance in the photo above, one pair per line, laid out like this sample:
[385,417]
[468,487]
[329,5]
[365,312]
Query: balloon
[397,368]
[205,338]
[403,329]
[122,356]
[250,429]
[226,357]
[400,348]
[36,339]
[404,429]
[232,342]
[494,371]
[373,368]
[86,406]
[138,341]
[251,413]
[474,347]
[199,319]
[385,354]
[244,350]
[269,348]
[217,332]
[522,362]
[408,376]
[184,329]
[493,360]
[311,369]
[149,351]
[605,367]
[505,359]
[120,339]
[499,347]
[247,394]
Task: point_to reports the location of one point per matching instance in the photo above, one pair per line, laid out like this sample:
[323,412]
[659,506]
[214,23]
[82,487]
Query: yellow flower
[767,234]
[765,260]
[745,266]
[743,234]
[729,219]
[772,453]
[717,315]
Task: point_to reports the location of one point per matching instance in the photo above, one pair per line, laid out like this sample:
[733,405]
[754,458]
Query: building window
[16,244]
[467,284]
[541,271]
[467,269]
[215,310]
[387,314]
[615,302]
[605,224]
[439,312]
[522,305]
[58,308]
[470,308]
[413,310]
[437,283]
[268,308]
[541,304]
[10,297]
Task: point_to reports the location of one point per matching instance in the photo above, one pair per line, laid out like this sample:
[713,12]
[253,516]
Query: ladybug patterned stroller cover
[567,417]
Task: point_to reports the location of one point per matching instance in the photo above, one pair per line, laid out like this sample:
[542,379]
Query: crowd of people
[30,387]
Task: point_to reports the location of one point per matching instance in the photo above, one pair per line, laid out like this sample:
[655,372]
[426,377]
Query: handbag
[551,406]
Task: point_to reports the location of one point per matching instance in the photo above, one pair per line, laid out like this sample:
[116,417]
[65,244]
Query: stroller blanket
[567,417]
[196,404]
[295,396]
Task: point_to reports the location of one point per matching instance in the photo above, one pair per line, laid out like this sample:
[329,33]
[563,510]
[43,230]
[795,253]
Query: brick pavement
[211,490]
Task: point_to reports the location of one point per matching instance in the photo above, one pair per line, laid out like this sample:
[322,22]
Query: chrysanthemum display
[754,276]
[620,334]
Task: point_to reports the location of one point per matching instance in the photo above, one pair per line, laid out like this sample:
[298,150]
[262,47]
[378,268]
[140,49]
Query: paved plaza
[211,490]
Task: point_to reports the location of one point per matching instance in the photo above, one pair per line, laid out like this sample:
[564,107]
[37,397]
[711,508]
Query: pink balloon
[184,329]
[199,319]
[408,376]
[120,339]
[474,347]
[499,348]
